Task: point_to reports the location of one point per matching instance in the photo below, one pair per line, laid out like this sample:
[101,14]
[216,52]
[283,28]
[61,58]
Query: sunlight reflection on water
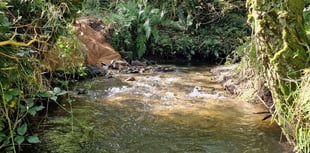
[184,112]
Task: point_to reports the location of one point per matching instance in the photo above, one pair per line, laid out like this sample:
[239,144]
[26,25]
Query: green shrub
[28,30]
[137,25]
[147,31]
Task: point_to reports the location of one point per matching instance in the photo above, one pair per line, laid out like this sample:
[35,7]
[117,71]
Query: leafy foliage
[216,41]
[285,65]
[28,30]
[138,25]
[174,29]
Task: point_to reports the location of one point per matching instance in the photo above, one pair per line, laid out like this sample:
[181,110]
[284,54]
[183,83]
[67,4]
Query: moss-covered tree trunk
[283,48]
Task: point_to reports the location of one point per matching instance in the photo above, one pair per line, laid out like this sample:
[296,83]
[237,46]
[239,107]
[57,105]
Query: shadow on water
[159,113]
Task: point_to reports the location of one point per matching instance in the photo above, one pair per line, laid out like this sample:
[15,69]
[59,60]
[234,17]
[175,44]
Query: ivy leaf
[8,97]
[30,102]
[32,111]
[39,108]
[33,139]
[43,94]
[61,92]
[54,98]
[22,108]
[22,129]
[19,139]
[57,90]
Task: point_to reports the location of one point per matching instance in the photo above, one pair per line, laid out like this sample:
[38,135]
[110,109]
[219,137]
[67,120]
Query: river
[184,111]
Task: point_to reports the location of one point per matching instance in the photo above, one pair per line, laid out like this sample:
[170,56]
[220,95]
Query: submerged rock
[131,79]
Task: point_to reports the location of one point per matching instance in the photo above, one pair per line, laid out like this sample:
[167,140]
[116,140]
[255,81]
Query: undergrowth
[28,32]
[293,119]
[188,30]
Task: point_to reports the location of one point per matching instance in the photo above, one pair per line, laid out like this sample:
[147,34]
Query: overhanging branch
[14,43]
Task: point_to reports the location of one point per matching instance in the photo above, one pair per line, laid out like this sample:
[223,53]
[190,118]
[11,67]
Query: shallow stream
[185,111]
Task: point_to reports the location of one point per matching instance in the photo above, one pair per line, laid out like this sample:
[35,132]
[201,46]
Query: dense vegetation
[28,32]
[36,37]
[278,56]
[197,30]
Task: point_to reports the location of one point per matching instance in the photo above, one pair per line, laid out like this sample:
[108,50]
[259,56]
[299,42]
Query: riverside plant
[23,95]
[298,118]
[139,21]
[28,29]
[176,29]
[285,65]
[294,118]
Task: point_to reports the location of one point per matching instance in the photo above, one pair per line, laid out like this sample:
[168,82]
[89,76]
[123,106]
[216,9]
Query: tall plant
[140,21]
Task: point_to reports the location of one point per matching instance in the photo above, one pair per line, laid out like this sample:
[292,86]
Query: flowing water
[185,111]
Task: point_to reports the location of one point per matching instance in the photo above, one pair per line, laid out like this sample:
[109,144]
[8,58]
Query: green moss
[280,35]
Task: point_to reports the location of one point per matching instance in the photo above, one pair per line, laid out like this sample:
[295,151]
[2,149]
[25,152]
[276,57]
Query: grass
[301,115]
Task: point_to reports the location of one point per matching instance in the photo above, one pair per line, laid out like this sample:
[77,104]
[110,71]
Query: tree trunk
[283,48]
